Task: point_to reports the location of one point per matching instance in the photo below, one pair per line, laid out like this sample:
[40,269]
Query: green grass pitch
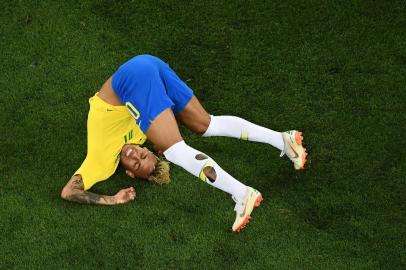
[334,69]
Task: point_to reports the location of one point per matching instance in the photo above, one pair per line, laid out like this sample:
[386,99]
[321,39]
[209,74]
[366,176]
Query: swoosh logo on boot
[243,213]
[296,154]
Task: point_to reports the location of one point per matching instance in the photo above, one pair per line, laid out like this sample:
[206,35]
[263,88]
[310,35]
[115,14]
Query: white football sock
[202,166]
[236,127]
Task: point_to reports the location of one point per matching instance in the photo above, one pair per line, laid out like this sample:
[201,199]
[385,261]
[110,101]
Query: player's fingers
[132,196]
[130,191]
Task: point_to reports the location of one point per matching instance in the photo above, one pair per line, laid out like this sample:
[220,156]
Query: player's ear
[129,173]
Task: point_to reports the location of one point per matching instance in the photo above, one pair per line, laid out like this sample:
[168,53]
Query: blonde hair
[161,173]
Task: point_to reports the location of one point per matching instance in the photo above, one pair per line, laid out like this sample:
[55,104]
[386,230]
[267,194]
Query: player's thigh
[164,131]
[194,116]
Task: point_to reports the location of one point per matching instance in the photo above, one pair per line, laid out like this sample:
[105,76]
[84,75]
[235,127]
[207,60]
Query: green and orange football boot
[294,149]
[244,208]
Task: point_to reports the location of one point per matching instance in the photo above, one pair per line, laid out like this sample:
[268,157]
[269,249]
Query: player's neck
[107,94]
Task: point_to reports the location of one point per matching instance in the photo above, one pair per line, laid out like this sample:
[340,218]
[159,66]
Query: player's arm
[74,191]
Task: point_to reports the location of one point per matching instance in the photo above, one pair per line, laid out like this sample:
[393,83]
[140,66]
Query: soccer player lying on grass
[141,101]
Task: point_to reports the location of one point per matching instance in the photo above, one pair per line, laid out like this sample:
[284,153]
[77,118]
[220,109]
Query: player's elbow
[74,185]
[65,193]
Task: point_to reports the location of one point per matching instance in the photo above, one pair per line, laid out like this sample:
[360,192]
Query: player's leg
[192,114]
[164,133]
[195,117]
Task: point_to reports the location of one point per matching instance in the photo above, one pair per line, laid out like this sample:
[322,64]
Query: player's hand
[125,195]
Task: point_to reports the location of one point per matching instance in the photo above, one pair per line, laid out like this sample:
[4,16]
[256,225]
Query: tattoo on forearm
[85,196]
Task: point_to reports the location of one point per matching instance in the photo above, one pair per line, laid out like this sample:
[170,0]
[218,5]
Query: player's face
[138,162]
